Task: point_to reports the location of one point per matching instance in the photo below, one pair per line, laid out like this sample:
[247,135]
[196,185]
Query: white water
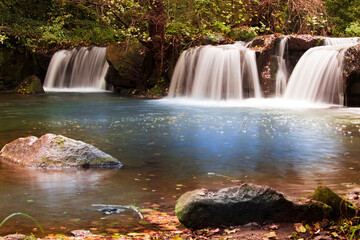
[217,73]
[282,74]
[77,70]
[317,76]
[341,41]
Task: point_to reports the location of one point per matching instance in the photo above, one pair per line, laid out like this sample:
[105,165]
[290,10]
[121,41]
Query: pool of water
[169,147]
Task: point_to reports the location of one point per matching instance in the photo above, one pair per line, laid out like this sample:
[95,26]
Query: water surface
[169,147]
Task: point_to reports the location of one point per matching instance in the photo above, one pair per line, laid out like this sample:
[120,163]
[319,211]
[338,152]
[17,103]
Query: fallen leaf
[299,227]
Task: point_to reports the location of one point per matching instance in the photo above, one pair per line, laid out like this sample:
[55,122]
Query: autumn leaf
[299,227]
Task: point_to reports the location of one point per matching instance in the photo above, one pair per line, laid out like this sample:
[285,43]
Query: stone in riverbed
[56,151]
[244,204]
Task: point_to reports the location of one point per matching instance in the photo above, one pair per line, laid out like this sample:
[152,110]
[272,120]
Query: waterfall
[217,73]
[81,69]
[341,41]
[317,77]
[282,73]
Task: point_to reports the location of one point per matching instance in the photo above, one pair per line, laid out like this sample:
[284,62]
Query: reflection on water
[164,143]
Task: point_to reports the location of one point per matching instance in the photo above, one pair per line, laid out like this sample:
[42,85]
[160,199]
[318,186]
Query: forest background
[164,25]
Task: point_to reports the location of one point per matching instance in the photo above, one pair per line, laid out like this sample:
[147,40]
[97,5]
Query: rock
[125,65]
[56,151]
[15,237]
[267,59]
[82,233]
[244,204]
[341,206]
[351,74]
[30,85]
[18,63]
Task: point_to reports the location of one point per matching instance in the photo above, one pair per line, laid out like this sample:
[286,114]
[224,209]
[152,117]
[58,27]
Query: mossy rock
[30,85]
[244,204]
[242,34]
[341,206]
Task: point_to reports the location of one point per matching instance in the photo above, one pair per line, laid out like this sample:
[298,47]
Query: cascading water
[317,77]
[282,74]
[341,41]
[217,73]
[81,69]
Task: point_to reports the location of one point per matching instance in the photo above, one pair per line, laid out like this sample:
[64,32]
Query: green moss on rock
[30,85]
[340,205]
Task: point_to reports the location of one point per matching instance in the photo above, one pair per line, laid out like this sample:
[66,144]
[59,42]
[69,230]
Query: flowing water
[317,77]
[282,74]
[79,69]
[168,147]
[216,72]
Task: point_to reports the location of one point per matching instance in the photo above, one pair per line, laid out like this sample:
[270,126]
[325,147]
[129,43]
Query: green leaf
[299,227]
[22,214]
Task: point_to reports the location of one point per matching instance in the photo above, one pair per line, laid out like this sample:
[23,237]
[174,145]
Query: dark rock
[351,76]
[341,206]
[30,85]
[18,63]
[267,59]
[126,65]
[56,151]
[244,204]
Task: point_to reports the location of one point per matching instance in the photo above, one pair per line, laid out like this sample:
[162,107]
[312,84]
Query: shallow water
[169,147]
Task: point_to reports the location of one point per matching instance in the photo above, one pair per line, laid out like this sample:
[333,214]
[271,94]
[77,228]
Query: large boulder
[56,151]
[30,85]
[244,204]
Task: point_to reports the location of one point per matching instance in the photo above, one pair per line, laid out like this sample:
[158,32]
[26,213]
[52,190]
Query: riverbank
[162,225]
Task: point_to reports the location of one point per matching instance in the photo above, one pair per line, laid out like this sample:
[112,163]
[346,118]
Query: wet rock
[351,74]
[15,237]
[82,233]
[56,151]
[244,204]
[125,65]
[268,57]
[30,85]
[18,63]
[341,206]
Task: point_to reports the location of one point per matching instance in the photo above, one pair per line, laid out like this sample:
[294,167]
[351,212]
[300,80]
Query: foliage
[21,214]
[343,14]
[343,229]
[51,23]
[353,30]
[242,34]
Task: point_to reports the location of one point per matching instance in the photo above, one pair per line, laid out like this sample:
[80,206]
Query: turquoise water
[169,147]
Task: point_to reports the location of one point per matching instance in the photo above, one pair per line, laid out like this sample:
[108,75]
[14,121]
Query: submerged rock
[56,151]
[244,204]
